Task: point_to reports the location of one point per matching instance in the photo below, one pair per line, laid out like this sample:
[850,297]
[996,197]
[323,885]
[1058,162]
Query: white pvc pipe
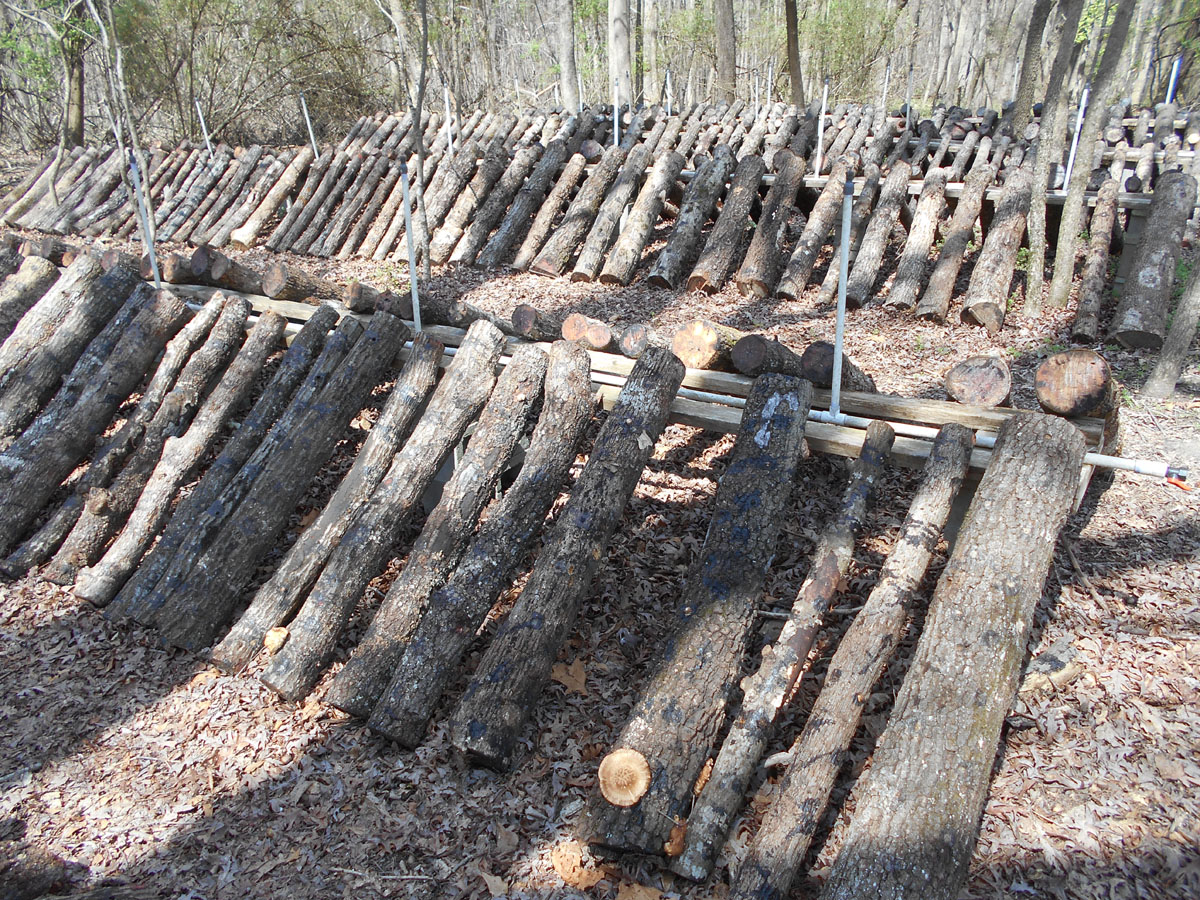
[843,273]
[204,129]
[307,121]
[412,255]
[1174,79]
[616,117]
[821,127]
[1083,101]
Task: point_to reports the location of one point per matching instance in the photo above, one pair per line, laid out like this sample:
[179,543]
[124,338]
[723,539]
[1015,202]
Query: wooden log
[535,237]
[514,670]
[367,543]
[173,268]
[717,259]
[243,236]
[106,507]
[860,214]
[228,195]
[812,239]
[917,813]
[35,172]
[979,381]
[359,193]
[322,220]
[369,221]
[488,215]
[816,365]
[316,204]
[190,203]
[637,339]
[52,335]
[1161,382]
[870,253]
[558,250]
[489,171]
[213,267]
[530,322]
[698,205]
[1140,319]
[22,289]
[283,282]
[309,362]
[760,269]
[1074,383]
[987,294]
[72,212]
[363,298]
[627,252]
[704,344]
[456,610]
[51,248]
[935,302]
[787,830]
[10,258]
[192,615]
[279,598]
[914,259]
[27,211]
[964,154]
[591,333]
[524,206]
[608,216]
[214,195]
[764,691]
[678,717]
[757,354]
[34,467]
[312,180]
[253,195]
[1086,327]
[113,258]
[29,197]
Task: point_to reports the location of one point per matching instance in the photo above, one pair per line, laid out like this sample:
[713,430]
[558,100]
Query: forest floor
[125,763]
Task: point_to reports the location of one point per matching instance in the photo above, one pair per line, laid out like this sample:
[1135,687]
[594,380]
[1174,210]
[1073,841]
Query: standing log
[367,543]
[554,202]
[979,381]
[279,598]
[492,210]
[717,259]
[530,322]
[914,259]
[764,691]
[558,250]
[514,670]
[456,610]
[1086,328]
[190,616]
[527,201]
[760,269]
[987,295]
[309,362]
[243,236]
[213,267]
[918,809]
[283,282]
[699,203]
[608,217]
[34,468]
[870,253]
[1074,383]
[675,723]
[704,344]
[22,289]
[816,365]
[812,239]
[637,339]
[591,334]
[1140,319]
[363,680]
[787,830]
[627,252]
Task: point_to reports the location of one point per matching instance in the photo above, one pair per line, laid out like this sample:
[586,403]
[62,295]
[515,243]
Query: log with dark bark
[698,205]
[812,239]
[530,322]
[725,240]
[637,339]
[488,172]
[1074,383]
[914,259]
[213,267]
[277,240]
[489,214]
[243,236]
[228,195]
[591,334]
[210,174]
[526,204]
[860,215]
[760,269]
[51,248]
[173,268]
[190,616]
[764,691]
[552,259]
[337,185]
[514,670]
[757,354]
[112,258]
[979,381]
[1086,327]
[870,252]
[704,344]
[456,610]
[371,222]
[535,237]
[283,282]
[816,365]
[363,298]
[367,543]
[627,252]
[608,216]
[358,194]
[308,364]
[918,808]
[787,830]
[675,724]
[22,289]
[986,301]
[1140,320]
[279,598]
[10,257]
[34,467]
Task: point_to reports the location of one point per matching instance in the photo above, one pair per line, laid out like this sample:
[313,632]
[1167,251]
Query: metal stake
[821,128]
[412,253]
[1083,101]
[307,121]
[835,395]
[204,128]
[135,174]
[1174,78]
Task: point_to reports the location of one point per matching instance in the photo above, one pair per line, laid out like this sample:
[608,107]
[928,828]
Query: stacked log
[558,250]
[699,203]
[915,257]
[987,295]
[812,239]
[716,261]
[760,269]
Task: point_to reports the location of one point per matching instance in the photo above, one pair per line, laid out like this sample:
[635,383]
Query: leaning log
[558,250]
[698,205]
[870,253]
[283,282]
[979,381]
[918,808]
[227,195]
[717,259]
[704,344]
[536,236]
[760,269]
[278,239]
[860,215]
[1086,328]
[591,334]
[764,691]
[22,289]
[608,216]
[787,830]
[914,259]
[489,214]
[627,252]
[514,670]
[677,720]
[336,186]
[524,206]
[987,294]
[812,239]
[1161,382]
[243,236]
[488,172]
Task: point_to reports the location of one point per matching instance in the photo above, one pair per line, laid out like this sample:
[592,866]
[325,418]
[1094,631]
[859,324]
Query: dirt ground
[125,763]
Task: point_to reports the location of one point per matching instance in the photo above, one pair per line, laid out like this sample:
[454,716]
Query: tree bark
[765,690]
[725,240]
[226,197]
[979,381]
[549,209]
[914,259]
[699,204]
[489,171]
[986,301]
[816,365]
[812,239]
[316,174]
[559,249]
[704,344]
[918,809]
[591,334]
[870,252]
[513,672]
[524,206]
[757,354]
[760,269]
[608,216]
[279,598]
[22,289]
[188,204]
[1086,328]
[726,49]
[683,708]
[243,236]
[322,220]
[530,322]
[367,543]
[787,830]
[492,210]
[1161,382]
[627,252]
[283,282]
[213,267]
[860,215]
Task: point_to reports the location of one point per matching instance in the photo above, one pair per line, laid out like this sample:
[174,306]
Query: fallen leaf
[637,892]
[506,840]
[274,639]
[309,517]
[573,677]
[496,885]
[567,859]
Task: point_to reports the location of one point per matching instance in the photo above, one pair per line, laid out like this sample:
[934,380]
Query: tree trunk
[979,381]
[514,670]
[1140,319]
[816,365]
[367,543]
[1031,69]
[914,259]
[627,252]
[760,269]
[918,809]
[987,295]
[787,830]
[704,344]
[527,201]
[591,334]
[766,689]
[675,724]
[35,467]
[280,597]
[548,210]
[564,33]
[1074,383]
[619,69]
[489,171]
[879,229]
[22,289]
[559,249]
[490,213]
[1086,328]
[725,240]
[812,239]
[726,49]
[1161,382]
[283,282]
[608,216]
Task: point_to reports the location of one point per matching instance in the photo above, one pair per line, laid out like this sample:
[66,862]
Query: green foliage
[1023,257]
[847,39]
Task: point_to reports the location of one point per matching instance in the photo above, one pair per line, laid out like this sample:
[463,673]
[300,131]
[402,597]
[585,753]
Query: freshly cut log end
[1074,383]
[704,344]
[636,339]
[756,354]
[528,321]
[979,381]
[816,365]
[591,333]
[624,777]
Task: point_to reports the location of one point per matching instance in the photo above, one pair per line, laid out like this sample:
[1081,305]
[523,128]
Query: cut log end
[624,777]
[979,381]
[1075,383]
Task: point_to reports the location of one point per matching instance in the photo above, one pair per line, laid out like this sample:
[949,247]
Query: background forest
[245,63]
